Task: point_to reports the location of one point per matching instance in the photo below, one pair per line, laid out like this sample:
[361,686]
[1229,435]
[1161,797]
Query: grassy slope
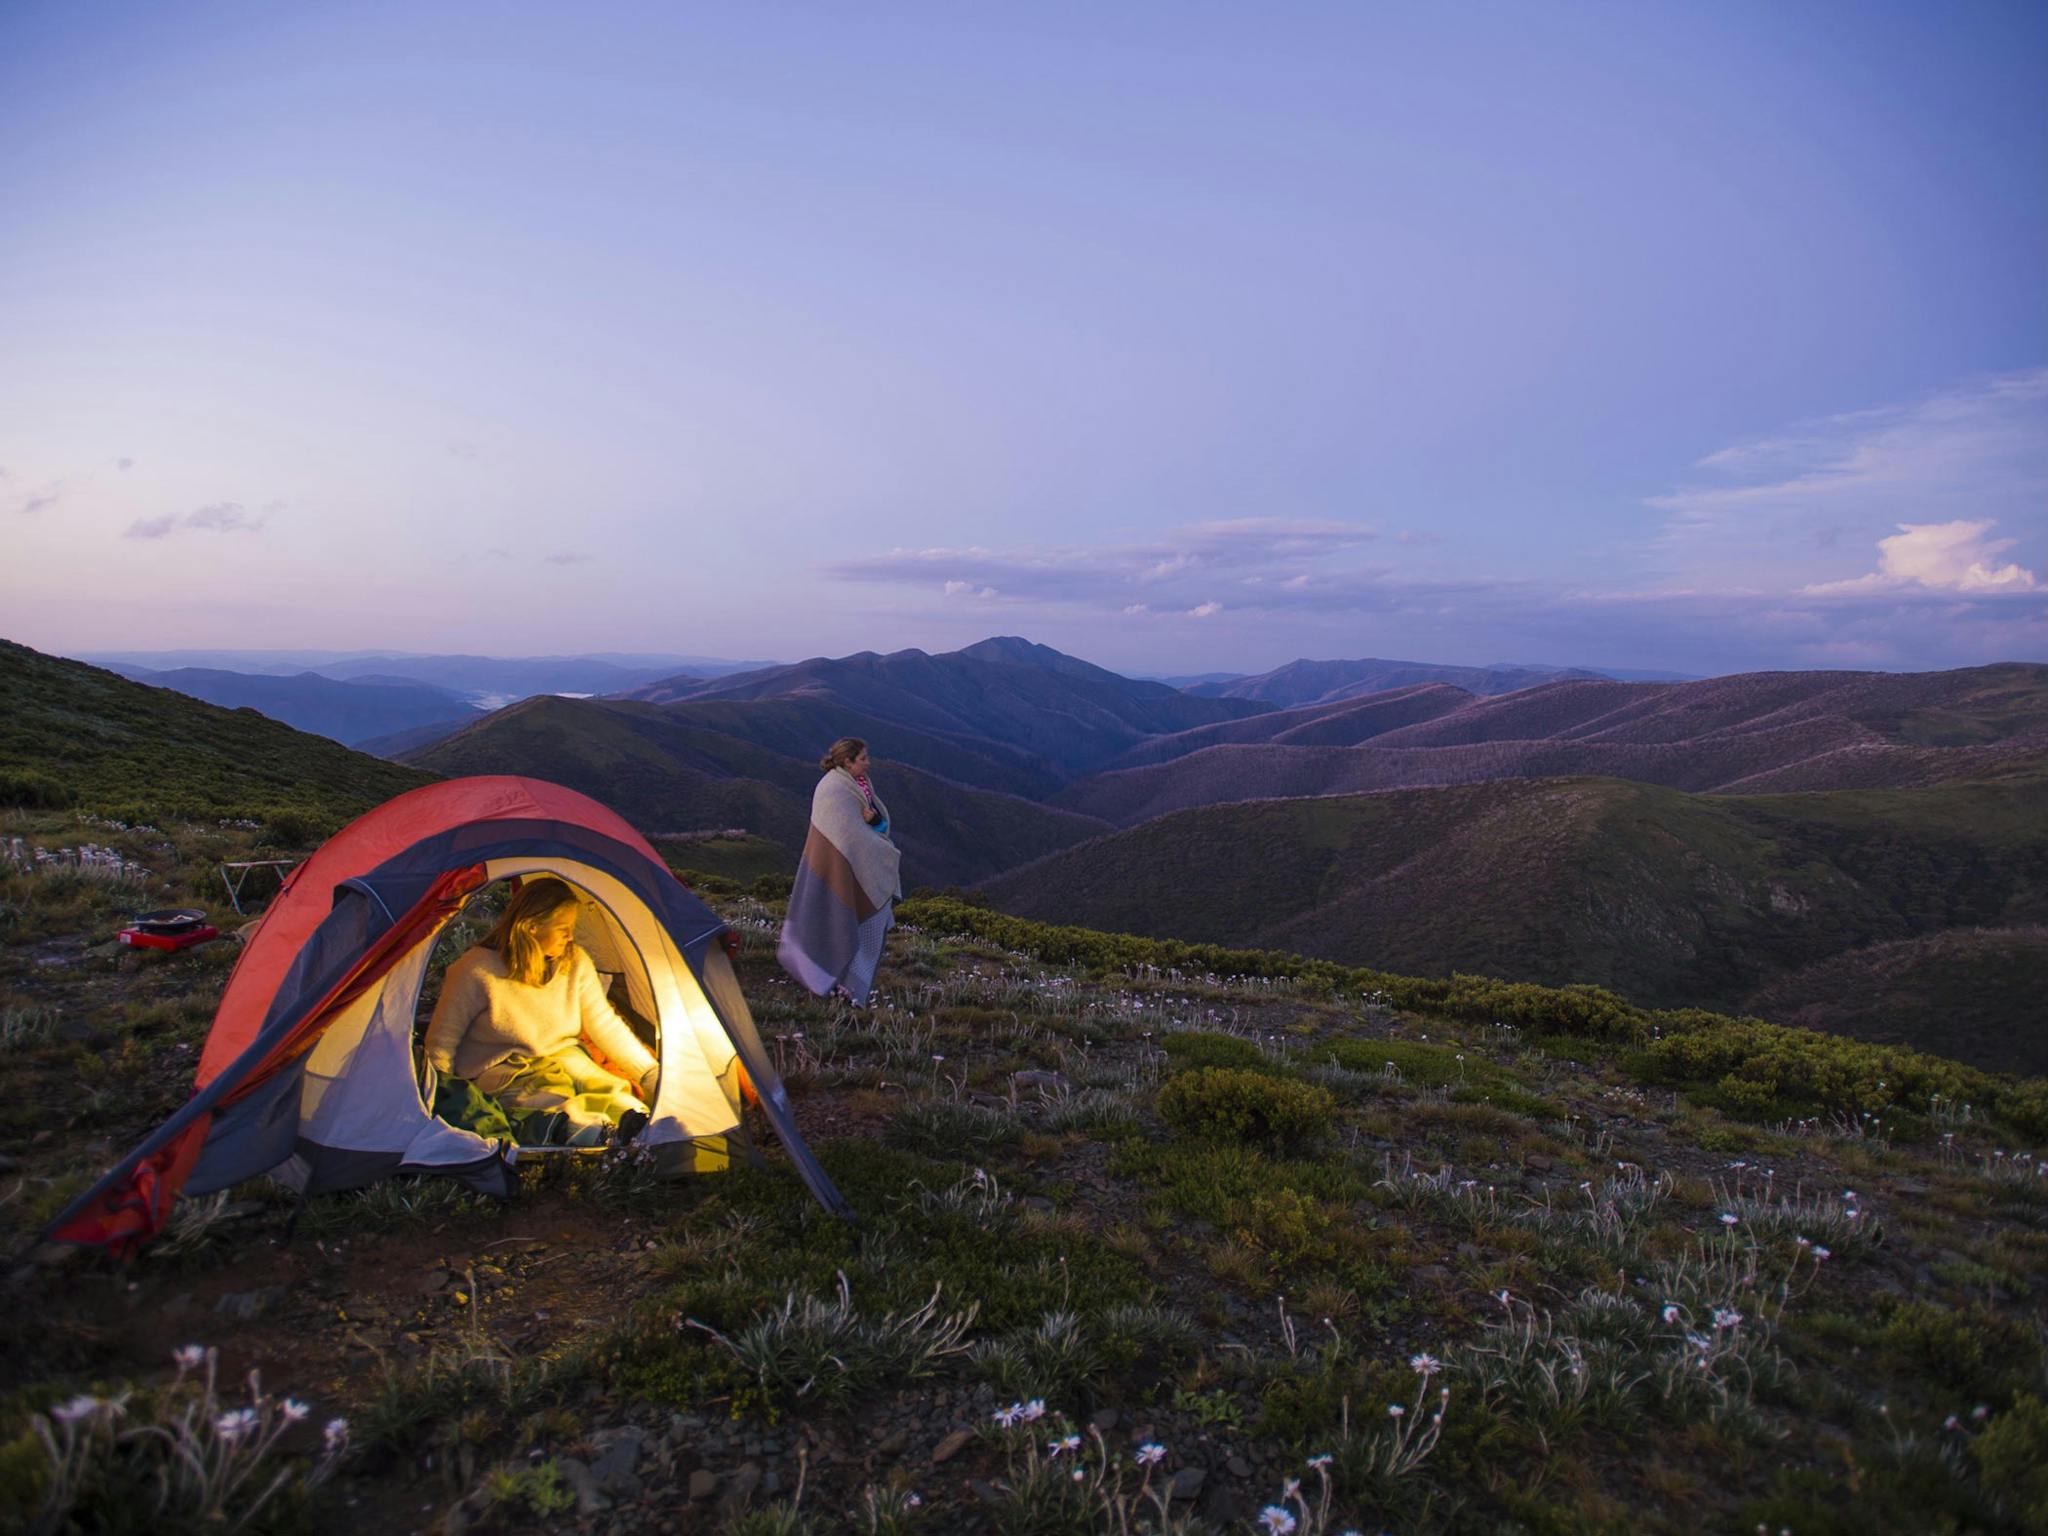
[1674,898]
[116,746]
[665,773]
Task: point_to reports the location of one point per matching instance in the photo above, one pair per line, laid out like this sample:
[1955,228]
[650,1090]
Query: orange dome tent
[309,1072]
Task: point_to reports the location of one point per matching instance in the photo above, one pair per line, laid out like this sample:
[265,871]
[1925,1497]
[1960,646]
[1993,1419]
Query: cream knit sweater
[484,1016]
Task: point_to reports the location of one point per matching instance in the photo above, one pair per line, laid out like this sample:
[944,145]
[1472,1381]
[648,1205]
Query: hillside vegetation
[1964,991]
[74,735]
[1181,1222]
[1677,899]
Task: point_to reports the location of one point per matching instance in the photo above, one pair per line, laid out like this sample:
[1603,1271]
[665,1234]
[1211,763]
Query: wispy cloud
[569,557]
[41,501]
[1195,571]
[1980,449]
[124,464]
[214,517]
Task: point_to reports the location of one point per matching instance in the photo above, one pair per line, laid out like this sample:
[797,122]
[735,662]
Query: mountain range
[487,680]
[353,713]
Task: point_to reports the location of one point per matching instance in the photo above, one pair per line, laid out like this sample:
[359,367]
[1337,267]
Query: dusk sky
[1182,337]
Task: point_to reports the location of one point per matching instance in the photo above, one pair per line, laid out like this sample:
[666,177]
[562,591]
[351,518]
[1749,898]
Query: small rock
[244,1305]
[1105,1420]
[618,1454]
[1186,1483]
[1434,1274]
[1237,1466]
[1539,1162]
[703,1484]
[8,1164]
[1036,1080]
[951,1446]
[894,1443]
[590,1499]
[1908,1187]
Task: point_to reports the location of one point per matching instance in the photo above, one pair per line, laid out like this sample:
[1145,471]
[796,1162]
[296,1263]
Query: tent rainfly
[309,1072]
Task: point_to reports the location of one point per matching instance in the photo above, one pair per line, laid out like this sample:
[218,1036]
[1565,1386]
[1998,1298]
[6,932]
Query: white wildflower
[82,1406]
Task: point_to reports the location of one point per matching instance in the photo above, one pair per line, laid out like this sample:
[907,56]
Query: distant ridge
[1750,733]
[1326,682]
[1006,690]
[351,713]
[498,678]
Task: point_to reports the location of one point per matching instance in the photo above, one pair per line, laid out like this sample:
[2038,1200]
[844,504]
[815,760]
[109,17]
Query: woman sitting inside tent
[523,1021]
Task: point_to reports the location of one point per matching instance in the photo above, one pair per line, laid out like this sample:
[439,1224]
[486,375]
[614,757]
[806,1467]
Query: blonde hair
[514,935]
[841,753]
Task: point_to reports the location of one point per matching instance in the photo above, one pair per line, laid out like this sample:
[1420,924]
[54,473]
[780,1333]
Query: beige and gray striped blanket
[839,909]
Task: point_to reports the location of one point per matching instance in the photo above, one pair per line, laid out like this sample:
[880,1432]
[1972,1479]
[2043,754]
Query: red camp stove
[178,928]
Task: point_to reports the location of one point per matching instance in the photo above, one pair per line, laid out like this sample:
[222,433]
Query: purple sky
[1181,337]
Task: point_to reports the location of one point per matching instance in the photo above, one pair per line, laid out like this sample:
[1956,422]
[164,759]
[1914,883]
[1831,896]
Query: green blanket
[549,1124]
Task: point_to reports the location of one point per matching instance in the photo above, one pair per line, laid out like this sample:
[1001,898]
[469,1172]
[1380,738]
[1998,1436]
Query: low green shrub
[1764,1069]
[1233,1104]
[292,830]
[1193,1048]
[1972,1350]
[2012,1460]
[2025,1104]
[1426,1066]
[36,791]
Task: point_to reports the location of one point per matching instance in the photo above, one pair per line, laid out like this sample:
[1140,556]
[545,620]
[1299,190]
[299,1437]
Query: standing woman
[840,909]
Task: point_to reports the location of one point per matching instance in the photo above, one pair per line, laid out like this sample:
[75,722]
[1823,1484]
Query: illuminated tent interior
[310,1073]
